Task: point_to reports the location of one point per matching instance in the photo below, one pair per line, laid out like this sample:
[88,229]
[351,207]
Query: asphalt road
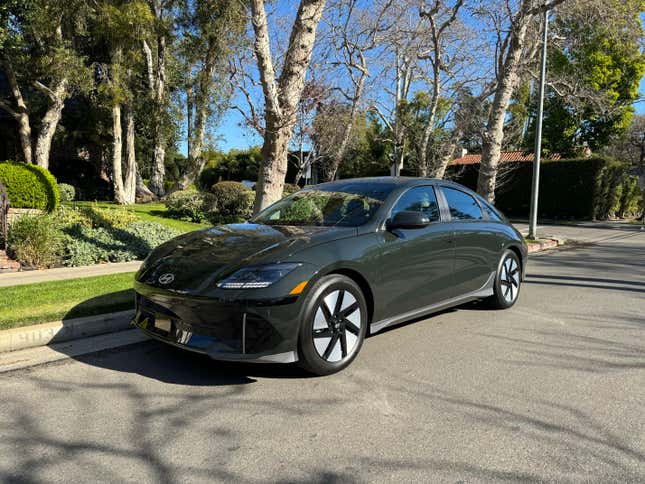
[551,390]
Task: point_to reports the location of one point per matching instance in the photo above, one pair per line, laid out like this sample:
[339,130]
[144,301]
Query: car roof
[395,181]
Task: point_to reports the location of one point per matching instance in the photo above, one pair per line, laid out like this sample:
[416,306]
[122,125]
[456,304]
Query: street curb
[26,337]
[32,357]
[543,245]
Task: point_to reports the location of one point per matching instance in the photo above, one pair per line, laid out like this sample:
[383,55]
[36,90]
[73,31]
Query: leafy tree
[595,67]
[122,26]
[39,56]
[212,31]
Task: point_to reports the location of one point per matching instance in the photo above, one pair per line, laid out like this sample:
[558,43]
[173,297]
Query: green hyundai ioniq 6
[309,277]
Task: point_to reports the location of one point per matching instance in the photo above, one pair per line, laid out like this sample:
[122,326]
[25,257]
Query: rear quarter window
[462,206]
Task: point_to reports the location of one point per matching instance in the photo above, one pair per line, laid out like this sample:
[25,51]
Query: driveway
[551,390]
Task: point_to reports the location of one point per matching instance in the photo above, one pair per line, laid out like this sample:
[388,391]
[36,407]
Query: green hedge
[29,186]
[595,188]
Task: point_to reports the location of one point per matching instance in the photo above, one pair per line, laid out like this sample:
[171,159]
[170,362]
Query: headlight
[257,277]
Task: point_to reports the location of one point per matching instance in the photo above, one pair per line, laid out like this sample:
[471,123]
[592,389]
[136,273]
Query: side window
[418,199]
[492,214]
[462,206]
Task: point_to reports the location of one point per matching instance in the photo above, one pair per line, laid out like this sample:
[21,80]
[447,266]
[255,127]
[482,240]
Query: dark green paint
[401,269]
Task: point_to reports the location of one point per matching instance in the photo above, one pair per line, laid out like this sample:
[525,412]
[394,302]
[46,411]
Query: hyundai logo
[166,278]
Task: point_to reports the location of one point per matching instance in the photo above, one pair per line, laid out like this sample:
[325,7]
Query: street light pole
[538,136]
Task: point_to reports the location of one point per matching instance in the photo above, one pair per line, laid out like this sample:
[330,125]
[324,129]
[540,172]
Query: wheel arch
[518,253]
[362,282]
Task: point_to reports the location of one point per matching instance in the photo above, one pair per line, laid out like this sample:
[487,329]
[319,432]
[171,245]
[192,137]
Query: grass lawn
[52,301]
[151,212]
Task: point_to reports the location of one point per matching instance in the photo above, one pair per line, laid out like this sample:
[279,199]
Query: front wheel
[507,281]
[334,325]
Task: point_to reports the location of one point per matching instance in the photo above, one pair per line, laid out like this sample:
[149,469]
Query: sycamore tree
[353,35]
[281,92]
[515,26]
[38,55]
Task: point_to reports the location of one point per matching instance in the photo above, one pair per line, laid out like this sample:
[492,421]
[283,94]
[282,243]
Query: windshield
[345,205]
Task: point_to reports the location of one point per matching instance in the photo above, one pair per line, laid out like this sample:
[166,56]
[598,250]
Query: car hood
[198,259]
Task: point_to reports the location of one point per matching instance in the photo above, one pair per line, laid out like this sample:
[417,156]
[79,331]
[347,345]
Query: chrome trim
[486,290]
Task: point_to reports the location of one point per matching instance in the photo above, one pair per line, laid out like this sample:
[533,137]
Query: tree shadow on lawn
[163,362]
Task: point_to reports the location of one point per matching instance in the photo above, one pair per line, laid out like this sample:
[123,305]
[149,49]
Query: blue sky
[231,135]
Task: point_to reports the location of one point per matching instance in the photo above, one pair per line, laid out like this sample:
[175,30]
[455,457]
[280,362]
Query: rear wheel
[334,326]
[507,281]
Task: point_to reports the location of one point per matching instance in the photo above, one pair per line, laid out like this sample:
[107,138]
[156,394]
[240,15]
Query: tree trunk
[440,170]
[281,100]
[273,170]
[117,148]
[494,133]
[20,114]
[422,165]
[142,192]
[24,133]
[195,159]
[428,129]
[158,168]
[130,171]
[49,124]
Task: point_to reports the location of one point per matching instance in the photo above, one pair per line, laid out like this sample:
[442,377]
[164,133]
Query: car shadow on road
[168,364]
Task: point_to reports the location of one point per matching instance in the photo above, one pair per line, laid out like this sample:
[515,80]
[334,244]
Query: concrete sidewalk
[583,232]
[63,273]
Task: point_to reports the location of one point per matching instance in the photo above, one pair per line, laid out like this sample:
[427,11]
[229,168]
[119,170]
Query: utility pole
[538,136]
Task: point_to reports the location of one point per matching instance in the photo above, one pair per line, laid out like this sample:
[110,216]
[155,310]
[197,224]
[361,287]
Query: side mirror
[408,220]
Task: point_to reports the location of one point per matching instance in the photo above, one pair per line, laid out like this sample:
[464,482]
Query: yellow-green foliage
[29,186]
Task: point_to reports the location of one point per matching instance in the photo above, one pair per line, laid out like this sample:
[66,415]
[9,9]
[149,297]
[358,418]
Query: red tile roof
[472,158]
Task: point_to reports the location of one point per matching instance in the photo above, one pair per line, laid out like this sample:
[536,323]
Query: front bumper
[229,330]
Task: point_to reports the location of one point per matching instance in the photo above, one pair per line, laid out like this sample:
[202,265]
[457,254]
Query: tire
[334,325]
[507,281]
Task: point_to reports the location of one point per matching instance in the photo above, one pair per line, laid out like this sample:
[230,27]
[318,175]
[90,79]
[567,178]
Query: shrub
[229,202]
[35,241]
[29,186]
[142,237]
[69,216]
[86,245]
[186,205]
[209,176]
[109,218]
[67,192]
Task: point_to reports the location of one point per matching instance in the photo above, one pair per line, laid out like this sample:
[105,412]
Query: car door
[473,241]
[415,264]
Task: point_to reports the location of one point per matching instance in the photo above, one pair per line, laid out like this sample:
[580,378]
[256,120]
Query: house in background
[507,157]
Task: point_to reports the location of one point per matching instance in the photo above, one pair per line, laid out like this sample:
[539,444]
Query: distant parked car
[308,277]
